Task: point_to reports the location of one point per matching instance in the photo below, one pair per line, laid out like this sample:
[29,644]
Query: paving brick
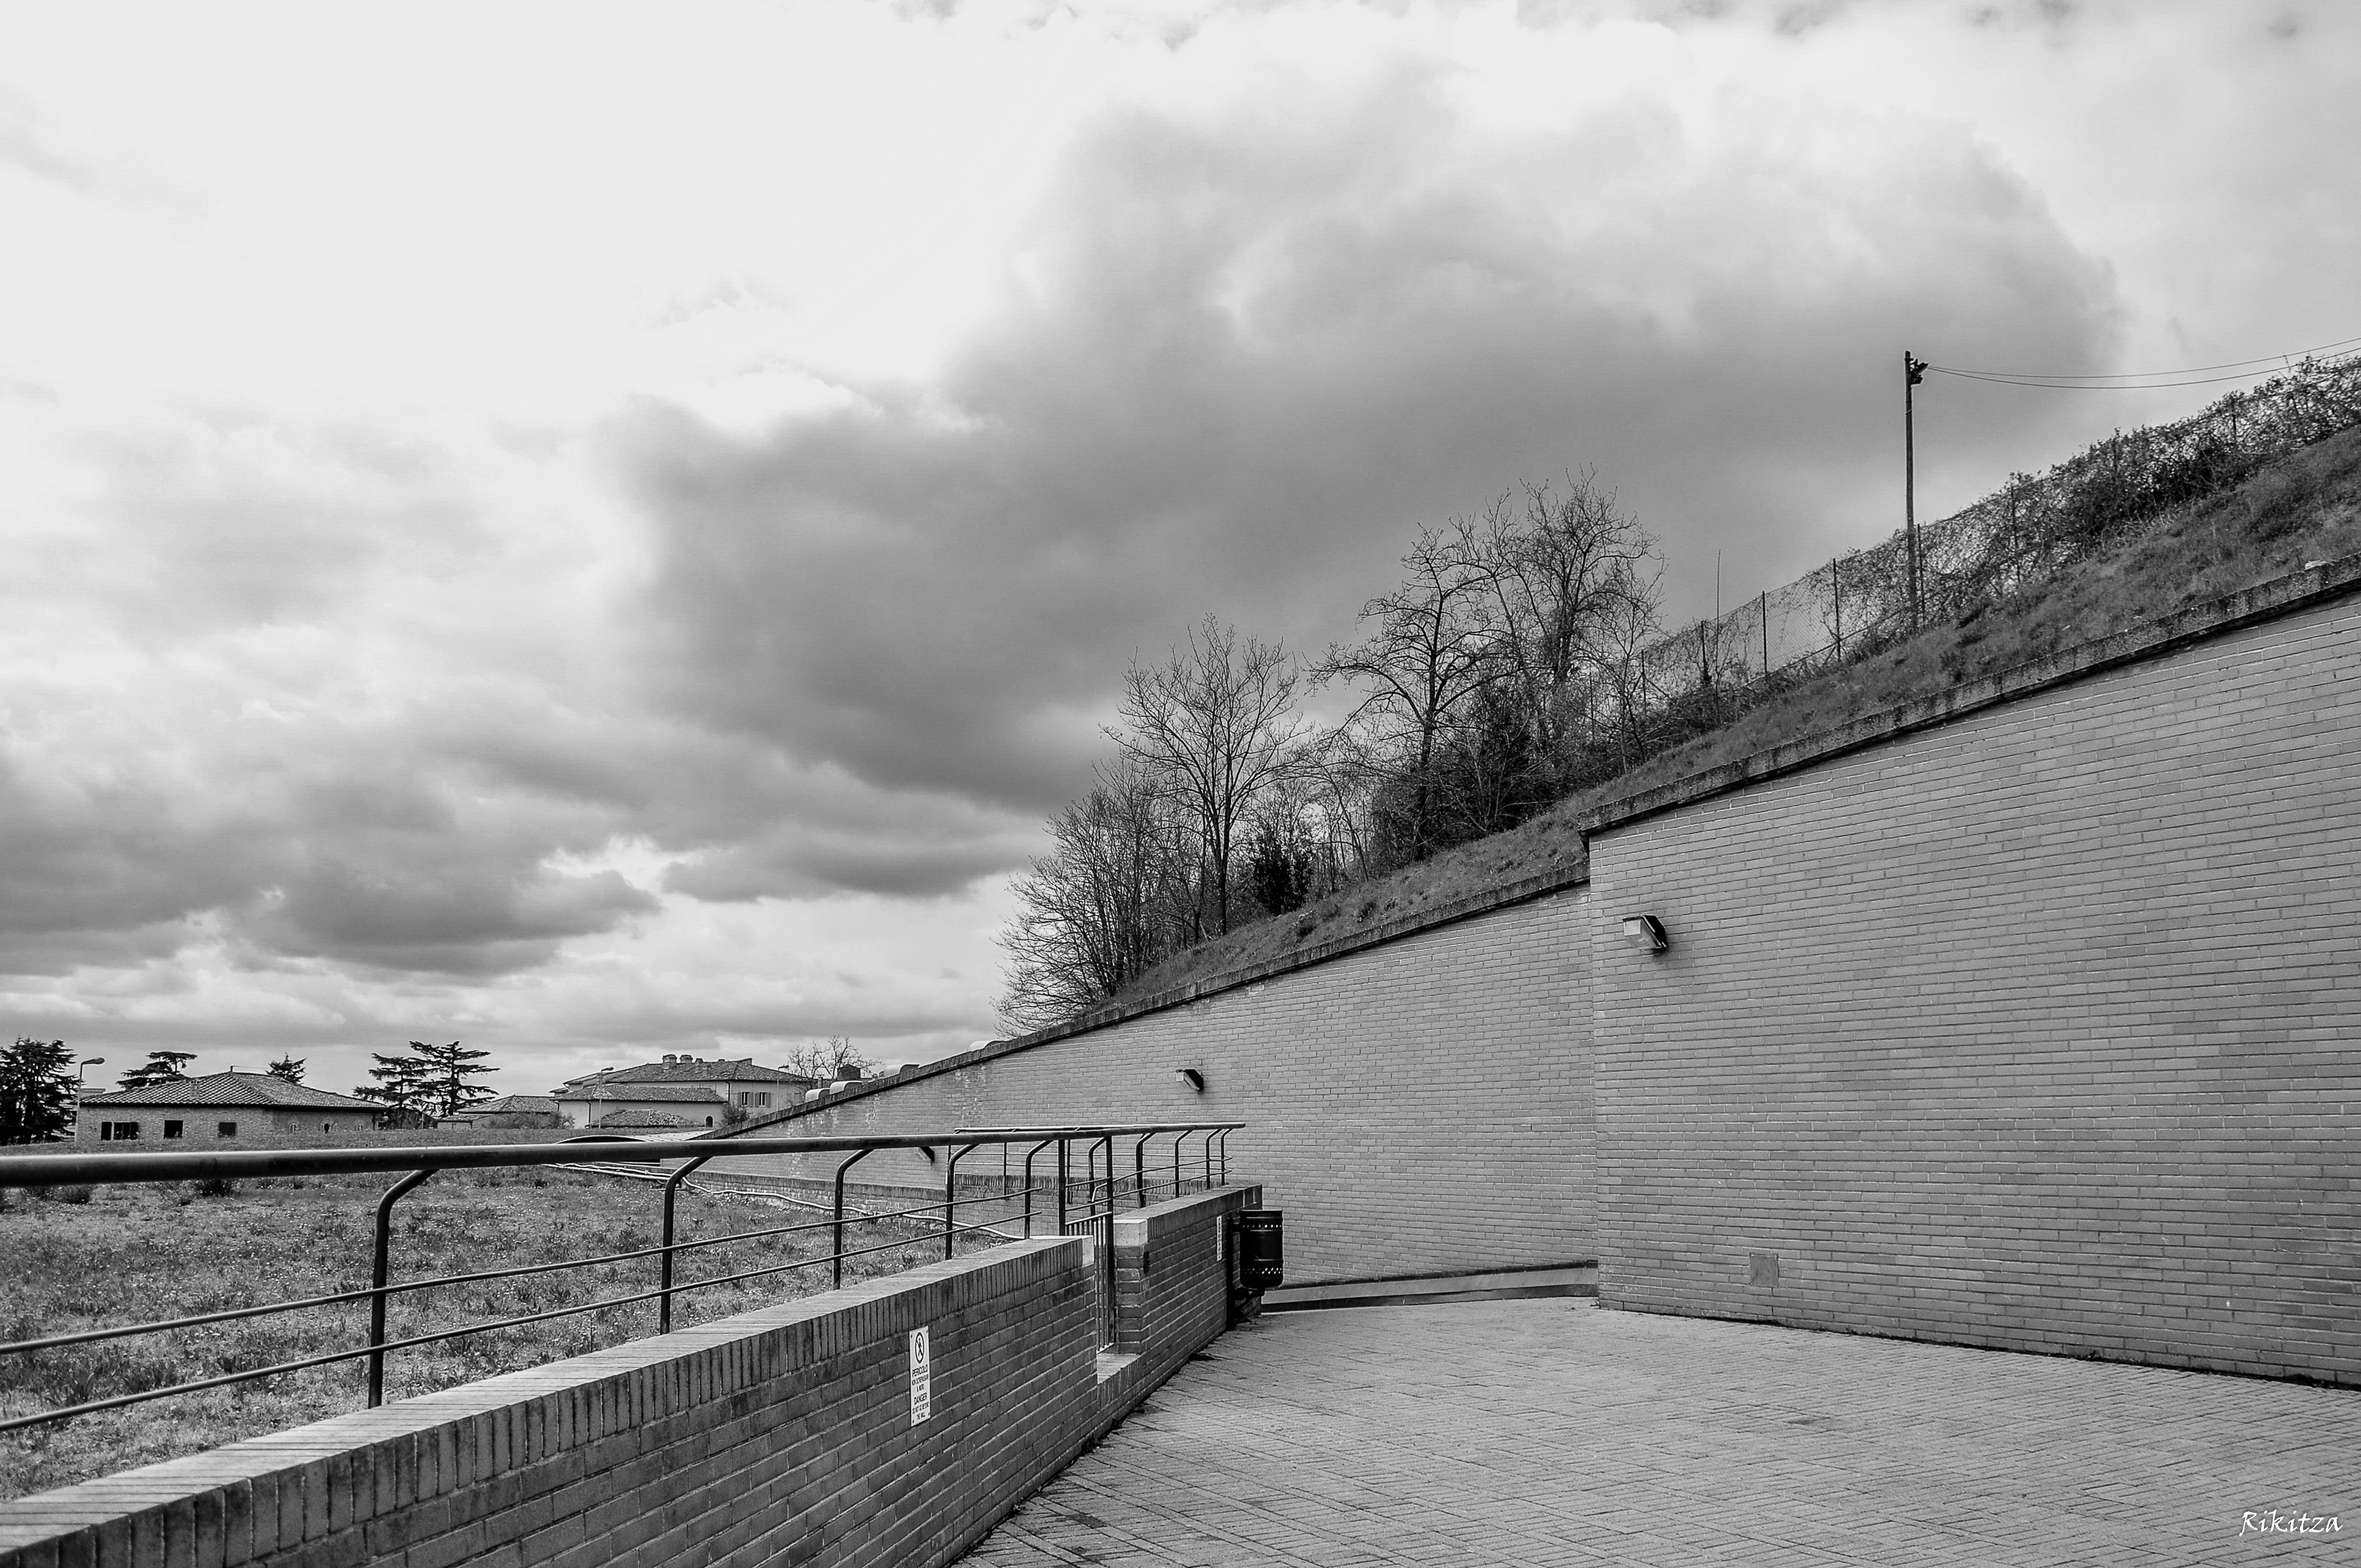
[1547,1432]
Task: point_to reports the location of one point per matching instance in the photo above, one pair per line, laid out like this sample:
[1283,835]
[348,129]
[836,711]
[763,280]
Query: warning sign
[922,1377]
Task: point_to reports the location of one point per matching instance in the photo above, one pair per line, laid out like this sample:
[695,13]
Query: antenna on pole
[1914,370]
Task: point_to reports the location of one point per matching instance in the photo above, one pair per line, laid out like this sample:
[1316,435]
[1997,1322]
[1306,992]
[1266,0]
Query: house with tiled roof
[700,1092]
[505,1111]
[645,1122]
[220,1107]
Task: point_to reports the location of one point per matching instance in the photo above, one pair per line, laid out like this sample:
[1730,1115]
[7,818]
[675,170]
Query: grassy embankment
[2304,507]
[133,1253]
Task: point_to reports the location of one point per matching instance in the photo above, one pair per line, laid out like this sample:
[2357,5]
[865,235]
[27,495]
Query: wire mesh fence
[2027,531]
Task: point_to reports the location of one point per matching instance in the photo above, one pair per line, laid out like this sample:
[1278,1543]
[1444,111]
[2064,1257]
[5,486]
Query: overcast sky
[602,532]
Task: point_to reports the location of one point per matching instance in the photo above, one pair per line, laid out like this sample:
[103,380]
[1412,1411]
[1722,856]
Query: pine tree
[403,1088]
[289,1067]
[447,1069]
[37,1093]
[162,1067]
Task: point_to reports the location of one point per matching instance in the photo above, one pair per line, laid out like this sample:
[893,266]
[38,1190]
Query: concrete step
[1500,1285]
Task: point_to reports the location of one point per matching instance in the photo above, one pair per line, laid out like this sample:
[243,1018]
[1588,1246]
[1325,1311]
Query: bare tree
[827,1060]
[1339,782]
[1569,585]
[1213,725]
[1434,644]
[1104,907]
[1621,695]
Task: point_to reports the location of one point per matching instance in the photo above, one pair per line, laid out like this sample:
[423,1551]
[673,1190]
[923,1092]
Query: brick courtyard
[1550,1431]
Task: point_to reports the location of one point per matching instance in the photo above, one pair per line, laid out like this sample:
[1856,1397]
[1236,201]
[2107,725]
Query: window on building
[226,1129]
[173,1129]
[125,1129]
[709,1120]
[105,1131]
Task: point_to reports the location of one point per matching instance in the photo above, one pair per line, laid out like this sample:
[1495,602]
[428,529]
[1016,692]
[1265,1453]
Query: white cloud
[596,531]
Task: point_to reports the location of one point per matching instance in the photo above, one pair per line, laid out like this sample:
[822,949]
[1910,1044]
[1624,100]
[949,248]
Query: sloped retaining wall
[1418,1105]
[783,1436]
[2033,1030]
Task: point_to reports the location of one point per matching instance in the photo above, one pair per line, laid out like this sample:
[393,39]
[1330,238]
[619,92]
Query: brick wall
[2035,1030]
[1418,1107]
[203,1124]
[1173,1265]
[778,1437]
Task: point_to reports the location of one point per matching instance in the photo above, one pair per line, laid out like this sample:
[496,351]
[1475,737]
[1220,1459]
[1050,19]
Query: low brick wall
[1172,1275]
[783,1436]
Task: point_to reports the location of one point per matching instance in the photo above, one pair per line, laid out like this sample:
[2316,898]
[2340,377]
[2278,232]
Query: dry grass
[2305,507]
[130,1254]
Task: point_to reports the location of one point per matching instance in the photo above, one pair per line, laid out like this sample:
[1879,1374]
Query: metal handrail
[418,1164]
[67,1170]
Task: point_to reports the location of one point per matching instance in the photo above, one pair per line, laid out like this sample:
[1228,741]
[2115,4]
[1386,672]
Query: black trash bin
[1262,1258]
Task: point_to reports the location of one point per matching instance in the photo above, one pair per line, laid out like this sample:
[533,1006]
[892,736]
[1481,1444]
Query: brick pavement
[1550,1431]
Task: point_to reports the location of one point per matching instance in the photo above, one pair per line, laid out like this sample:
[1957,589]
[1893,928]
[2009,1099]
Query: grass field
[133,1253]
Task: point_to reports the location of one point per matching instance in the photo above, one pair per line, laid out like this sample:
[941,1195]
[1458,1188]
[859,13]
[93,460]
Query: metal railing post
[678,1161]
[1209,1159]
[672,1190]
[1037,1148]
[836,1276]
[378,1282]
[951,1197]
[1226,1157]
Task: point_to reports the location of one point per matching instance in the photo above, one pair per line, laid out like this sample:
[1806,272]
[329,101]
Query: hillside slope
[2304,507]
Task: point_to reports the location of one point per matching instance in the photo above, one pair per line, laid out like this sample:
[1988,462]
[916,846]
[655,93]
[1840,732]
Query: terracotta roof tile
[693,1072]
[233,1089]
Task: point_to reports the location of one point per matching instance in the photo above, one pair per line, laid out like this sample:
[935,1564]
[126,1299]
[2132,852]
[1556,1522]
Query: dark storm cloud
[339,862]
[1238,359]
[1239,352]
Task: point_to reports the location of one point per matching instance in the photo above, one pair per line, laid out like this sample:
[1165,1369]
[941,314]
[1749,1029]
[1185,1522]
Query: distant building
[219,1107]
[507,1111]
[700,1094]
[644,1121]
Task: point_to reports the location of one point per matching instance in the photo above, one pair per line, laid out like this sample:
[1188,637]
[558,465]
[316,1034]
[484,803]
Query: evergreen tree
[37,1093]
[289,1067]
[445,1070]
[162,1067]
[403,1088]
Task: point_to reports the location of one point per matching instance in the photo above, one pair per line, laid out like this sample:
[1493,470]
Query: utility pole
[1914,370]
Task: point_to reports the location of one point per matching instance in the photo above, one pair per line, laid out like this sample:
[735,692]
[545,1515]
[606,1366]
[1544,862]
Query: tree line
[39,1089]
[1502,673]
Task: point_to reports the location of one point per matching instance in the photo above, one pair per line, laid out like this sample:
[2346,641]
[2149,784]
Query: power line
[2079,387]
[2139,379]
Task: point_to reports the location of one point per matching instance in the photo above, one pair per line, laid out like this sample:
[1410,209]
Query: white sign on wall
[922,1377]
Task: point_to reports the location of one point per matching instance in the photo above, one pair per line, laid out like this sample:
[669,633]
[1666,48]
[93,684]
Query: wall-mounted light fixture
[1192,1077]
[1647,931]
